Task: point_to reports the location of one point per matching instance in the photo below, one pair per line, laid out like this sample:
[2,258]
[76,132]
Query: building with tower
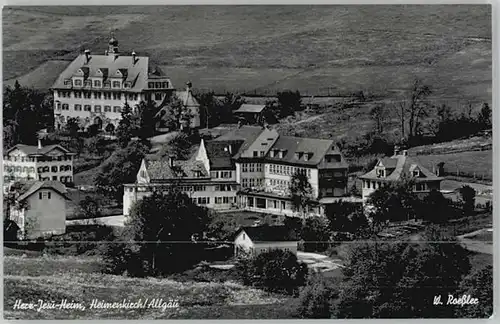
[94,87]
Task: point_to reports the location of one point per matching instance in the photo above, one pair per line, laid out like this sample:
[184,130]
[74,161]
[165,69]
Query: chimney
[396,150]
[87,56]
[134,57]
[39,144]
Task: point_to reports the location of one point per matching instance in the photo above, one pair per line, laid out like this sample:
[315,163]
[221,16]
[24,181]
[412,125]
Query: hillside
[319,50]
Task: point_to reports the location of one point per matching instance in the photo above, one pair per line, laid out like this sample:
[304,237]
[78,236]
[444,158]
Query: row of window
[377,184]
[225,200]
[288,170]
[54,168]
[201,200]
[97,95]
[251,167]
[63,179]
[221,174]
[158,85]
[280,183]
[116,84]
[251,182]
[97,108]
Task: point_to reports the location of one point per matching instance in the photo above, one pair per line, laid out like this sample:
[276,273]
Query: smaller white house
[259,239]
[39,208]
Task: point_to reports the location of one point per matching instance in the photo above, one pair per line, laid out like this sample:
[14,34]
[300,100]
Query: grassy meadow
[317,49]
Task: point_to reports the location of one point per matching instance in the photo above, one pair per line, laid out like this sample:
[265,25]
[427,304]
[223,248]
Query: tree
[390,279]
[289,102]
[161,228]
[414,108]
[478,284]
[211,110]
[126,127]
[316,234]
[379,115]
[345,217]
[176,112]
[72,127]
[435,208]
[484,117]
[468,199]
[178,147]
[147,123]
[275,271]
[25,112]
[88,208]
[300,191]
[315,298]
[393,202]
[121,168]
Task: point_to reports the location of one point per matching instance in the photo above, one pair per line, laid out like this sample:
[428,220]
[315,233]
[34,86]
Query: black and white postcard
[247,162]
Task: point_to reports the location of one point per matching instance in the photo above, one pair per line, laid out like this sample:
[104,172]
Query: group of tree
[400,280]
[121,168]
[215,111]
[159,238]
[397,202]
[141,124]
[275,271]
[25,112]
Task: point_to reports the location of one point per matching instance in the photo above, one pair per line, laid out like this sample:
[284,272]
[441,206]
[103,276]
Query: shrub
[275,271]
[315,299]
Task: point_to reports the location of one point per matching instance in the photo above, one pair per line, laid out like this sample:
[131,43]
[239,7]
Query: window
[225,174]
[78,83]
[87,95]
[78,94]
[88,83]
[259,167]
[157,85]
[54,178]
[107,108]
[244,183]
[97,83]
[116,84]
[416,173]
[380,173]
[165,84]
[117,109]
[67,82]
[127,85]
[97,95]
[218,200]
[40,195]
[117,96]
[87,108]
[255,154]
[151,85]
[158,96]
[261,153]
[54,168]
[420,187]
[65,107]
[252,167]
[107,95]
[97,109]
[244,167]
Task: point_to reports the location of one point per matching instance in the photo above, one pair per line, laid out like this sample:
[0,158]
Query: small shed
[252,114]
[259,239]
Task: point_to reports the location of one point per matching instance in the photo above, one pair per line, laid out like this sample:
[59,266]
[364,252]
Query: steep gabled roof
[247,134]
[219,155]
[268,233]
[403,165]
[108,65]
[159,170]
[28,188]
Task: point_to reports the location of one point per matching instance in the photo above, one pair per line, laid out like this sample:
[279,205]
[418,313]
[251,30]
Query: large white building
[248,168]
[94,87]
[26,162]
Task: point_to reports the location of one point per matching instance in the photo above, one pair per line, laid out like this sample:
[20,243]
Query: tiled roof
[389,162]
[246,108]
[318,147]
[268,233]
[402,165]
[219,155]
[161,170]
[34,150]
[136,73]
[247,134]
[27,188]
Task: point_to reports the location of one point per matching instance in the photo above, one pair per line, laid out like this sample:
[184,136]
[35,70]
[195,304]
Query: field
[477,164]
[55,278]
[320,50]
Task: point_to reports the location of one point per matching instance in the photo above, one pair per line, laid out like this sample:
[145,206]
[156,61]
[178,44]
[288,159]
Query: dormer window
[97,83]
[281,154]
[271,153]
[307,156]
[298,155]
[116,84]
[78,83]
[380,172]
[127,85]
[416,173]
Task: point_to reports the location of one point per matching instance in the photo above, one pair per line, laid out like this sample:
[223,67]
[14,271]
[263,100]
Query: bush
[315,299]
[275,271]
